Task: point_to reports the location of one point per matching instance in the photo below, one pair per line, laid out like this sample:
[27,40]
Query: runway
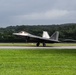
[23,47]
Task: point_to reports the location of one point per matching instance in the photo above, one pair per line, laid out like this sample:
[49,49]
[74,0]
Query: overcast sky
[18,12]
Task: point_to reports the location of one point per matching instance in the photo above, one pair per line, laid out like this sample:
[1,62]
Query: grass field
[38,62]
[34,44]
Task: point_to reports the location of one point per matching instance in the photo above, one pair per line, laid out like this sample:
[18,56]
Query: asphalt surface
[22,47]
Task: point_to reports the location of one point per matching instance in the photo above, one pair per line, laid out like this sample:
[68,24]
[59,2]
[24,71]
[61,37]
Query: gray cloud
[14,12]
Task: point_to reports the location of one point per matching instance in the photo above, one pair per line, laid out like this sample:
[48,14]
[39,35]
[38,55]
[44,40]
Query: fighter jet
[44,39]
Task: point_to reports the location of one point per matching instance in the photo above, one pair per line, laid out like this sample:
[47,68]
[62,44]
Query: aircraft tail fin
[45,34]
[55,36]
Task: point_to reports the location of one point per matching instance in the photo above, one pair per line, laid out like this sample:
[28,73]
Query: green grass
[34,44]
[37,62]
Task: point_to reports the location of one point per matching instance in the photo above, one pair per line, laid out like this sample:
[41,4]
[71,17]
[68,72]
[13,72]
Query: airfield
[27,59]
[32,46]
[21,47]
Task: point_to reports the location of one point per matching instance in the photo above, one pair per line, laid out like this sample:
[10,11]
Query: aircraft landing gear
[38,44]
[44,45]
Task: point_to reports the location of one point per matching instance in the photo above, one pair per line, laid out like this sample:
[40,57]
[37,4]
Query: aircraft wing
[37,38]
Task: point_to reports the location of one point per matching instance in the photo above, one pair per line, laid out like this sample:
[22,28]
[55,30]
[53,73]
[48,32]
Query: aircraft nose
[14,33]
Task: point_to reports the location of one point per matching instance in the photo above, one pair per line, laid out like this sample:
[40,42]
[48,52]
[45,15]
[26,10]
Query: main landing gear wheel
[38,44]
[44,45]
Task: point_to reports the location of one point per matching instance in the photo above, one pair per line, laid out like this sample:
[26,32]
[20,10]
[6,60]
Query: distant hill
[67,31]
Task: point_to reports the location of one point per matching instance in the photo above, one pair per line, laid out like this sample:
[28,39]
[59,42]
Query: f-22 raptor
[44,39]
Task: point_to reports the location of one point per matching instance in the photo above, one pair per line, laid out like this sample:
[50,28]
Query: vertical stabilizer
[55,36]
[45,34]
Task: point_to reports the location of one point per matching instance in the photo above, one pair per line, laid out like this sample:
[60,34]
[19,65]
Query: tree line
[67,31]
